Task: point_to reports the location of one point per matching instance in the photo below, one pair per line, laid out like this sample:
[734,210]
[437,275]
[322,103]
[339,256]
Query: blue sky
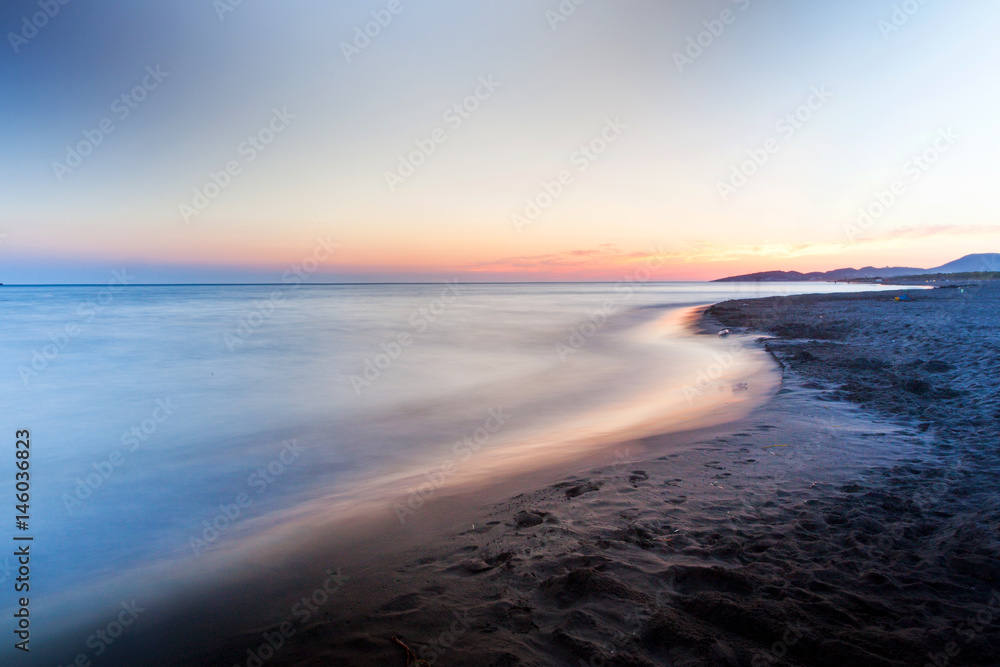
[893,88]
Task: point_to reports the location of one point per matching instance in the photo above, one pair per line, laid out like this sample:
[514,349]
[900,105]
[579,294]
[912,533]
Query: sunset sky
[116,115]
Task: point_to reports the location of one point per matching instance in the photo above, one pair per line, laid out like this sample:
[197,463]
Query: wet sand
[853,520]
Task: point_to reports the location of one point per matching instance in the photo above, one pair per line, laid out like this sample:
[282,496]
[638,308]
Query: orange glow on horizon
[534,259]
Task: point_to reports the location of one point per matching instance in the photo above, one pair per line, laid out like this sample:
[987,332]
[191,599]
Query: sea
[170,426]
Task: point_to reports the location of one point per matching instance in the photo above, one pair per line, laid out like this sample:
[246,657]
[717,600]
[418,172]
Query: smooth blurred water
[243,369]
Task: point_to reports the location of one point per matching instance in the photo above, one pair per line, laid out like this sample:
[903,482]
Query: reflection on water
[158,410]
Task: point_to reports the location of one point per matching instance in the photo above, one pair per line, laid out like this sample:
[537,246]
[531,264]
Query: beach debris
[411,658]
[769,446]
[740,386]
[724,333]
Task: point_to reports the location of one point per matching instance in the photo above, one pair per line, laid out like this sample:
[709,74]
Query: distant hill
[984,261]
[836,274]
[969,263]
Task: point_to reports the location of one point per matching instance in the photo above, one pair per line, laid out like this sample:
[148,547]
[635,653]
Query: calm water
[152,406]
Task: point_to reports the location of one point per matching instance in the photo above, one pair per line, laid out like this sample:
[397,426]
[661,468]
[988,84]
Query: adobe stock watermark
[132,439]
[911,171]
[580,160]
[463,450]
[121,108]
[454,116]
[264,309]
[900,16]
[86,312]
[48,10]
[623,460]
[779,648]
[104,637]
[970,628]
[363,35]
[300,614]
[229,513]
[714,28]
[247,152]
[786,127]
[223,7]
[428,653]
[930,495]
[562,12]
[418,322]
[598,317]
[661,595]
[709,377]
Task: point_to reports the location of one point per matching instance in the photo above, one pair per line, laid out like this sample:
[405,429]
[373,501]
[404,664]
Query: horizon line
[300,284]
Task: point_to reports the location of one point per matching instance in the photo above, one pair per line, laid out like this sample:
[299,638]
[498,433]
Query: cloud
[605,256]
[609,256]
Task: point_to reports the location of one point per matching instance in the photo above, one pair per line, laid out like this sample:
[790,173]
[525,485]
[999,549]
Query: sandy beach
[852,520]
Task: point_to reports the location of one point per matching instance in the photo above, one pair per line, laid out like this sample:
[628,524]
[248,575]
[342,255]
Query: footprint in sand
[582,488]
[528,519]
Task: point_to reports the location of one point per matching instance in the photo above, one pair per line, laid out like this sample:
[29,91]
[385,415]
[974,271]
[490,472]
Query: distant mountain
[984,261]
[836,274]
[976,262]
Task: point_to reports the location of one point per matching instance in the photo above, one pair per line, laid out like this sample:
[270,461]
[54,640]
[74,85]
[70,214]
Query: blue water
[215,381]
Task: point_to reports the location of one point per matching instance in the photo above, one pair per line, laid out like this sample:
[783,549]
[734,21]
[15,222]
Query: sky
[397,140]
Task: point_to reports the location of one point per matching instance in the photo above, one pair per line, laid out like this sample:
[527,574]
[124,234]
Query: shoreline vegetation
[850,521]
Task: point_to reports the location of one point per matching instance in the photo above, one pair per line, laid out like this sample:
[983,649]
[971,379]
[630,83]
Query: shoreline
[828,527]
[209,606]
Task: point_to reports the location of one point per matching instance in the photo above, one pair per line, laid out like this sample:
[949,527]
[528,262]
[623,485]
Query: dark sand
[851,521]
